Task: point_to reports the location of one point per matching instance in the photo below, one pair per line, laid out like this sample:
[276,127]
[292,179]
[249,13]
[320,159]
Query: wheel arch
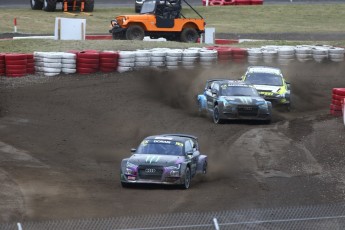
[190,25]
[142,25]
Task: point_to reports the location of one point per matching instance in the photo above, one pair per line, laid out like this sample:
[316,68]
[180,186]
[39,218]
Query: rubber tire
[216,120]
[189,35]
[36,4]
[89,5]
[49,5]
[204,168]
[125,185]
[135,32]
[188,177]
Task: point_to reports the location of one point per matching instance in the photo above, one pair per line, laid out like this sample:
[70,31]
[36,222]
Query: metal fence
[305,217]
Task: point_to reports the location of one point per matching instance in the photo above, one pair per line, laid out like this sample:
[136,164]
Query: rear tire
[135,32]
[89,5]
[36,4]
[204,168]
[49,5]
[189,35]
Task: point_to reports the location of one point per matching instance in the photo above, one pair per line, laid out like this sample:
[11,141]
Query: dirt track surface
[62,140]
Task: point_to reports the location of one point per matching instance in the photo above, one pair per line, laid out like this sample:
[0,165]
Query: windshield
[238,91]
[172,148]
[264,79]
[148,7]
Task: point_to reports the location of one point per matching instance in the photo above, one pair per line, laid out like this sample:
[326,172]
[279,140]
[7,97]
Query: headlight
[131,165]
[175,170]
[130,169]
[228,103]
[263,106]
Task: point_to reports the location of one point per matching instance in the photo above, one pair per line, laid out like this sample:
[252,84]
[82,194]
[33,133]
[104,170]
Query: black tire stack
[89,5]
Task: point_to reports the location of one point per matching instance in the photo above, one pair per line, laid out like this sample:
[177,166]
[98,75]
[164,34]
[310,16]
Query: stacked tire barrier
[2,65]
[190,58]
[16,65]
[232,2]
[88,62]
[92,61]
[208,58]
[126,61]
[48,63]
[173,59]
[158,57]
[108,61]
[69,63]
[30,64]
[337,105]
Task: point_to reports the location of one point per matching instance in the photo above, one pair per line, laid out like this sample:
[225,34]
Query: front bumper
[239,112]
[163,180]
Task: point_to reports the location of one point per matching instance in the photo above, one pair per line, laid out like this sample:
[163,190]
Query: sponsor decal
[164,138]
[150,159]
[162,141]
[179,144]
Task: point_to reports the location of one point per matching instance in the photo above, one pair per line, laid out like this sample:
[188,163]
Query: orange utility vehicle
[159,18]
[68,5]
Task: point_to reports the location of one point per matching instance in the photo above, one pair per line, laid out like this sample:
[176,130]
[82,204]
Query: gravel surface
[62,140]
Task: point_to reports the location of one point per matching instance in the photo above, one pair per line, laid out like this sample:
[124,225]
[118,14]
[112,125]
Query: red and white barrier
[337,105]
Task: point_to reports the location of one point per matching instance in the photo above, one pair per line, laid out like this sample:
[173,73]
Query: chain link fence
[306,217]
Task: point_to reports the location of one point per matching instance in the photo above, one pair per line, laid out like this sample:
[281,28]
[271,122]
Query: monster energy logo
[150,159]
[245,100]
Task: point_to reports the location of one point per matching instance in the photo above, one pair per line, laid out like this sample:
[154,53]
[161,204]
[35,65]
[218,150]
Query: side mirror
[288,85]
[133,150]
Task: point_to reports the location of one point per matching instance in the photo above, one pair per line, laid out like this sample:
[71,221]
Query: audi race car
[270,84]
[228,99]
[172,159]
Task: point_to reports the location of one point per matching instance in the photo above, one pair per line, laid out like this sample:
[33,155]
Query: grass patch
[301,18]
[308,18]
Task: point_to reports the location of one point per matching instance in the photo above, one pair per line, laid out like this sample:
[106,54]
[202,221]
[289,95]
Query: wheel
[89,5]
[36,4]
[187,179]
[216,118]
[204,168]
[135,32]
[200,110]
[189,35]
[49,5]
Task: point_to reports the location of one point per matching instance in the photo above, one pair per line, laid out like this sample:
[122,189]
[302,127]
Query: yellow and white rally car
[270,84]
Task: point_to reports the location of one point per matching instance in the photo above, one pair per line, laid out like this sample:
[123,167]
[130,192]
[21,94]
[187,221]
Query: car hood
[155,159]
[271,88]
[244,100]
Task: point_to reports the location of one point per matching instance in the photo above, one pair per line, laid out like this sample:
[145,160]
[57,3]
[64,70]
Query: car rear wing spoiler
[181,135]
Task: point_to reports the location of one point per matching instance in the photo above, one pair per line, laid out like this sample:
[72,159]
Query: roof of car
[172,137]
[264,69]
[227,81]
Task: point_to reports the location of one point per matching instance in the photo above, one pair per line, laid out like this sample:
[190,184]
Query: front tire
[189,35]
[36,4]
[135,32]
[187,179]
[216,116]
[49,5]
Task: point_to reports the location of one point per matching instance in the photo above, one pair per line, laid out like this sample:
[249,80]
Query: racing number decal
[151,159]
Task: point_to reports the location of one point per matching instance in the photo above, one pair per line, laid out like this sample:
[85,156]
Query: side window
[215,87]
[188,146]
